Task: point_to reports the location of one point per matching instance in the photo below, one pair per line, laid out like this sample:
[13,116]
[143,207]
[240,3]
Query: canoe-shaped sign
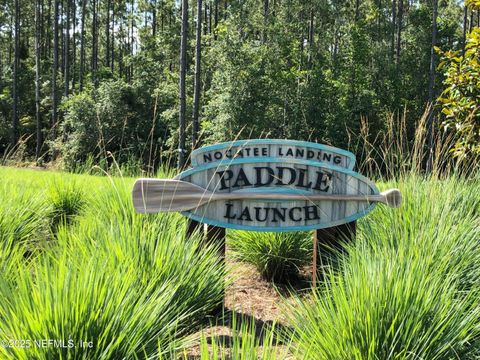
[265,193]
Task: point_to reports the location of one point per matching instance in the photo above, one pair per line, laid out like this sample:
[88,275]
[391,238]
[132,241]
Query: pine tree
[182,96]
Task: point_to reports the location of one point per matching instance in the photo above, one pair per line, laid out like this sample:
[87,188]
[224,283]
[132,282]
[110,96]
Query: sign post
[268,185]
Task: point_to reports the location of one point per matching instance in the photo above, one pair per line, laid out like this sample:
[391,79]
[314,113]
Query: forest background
[147,80]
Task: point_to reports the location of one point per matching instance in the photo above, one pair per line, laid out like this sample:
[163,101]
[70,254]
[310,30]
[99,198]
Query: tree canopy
[81,78]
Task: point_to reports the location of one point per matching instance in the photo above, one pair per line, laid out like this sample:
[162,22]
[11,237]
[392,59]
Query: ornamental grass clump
[114,285]
[22,225]
[278,257]
[67,200]
[407,288]
[20,212]
[247,339]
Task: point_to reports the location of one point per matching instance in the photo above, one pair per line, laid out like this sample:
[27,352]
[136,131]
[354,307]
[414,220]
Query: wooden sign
[269,148]
[266,185]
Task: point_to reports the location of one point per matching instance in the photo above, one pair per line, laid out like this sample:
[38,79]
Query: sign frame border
[240,161]
[236,143]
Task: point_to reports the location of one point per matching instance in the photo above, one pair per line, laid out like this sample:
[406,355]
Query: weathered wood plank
[283,178]
[288,149]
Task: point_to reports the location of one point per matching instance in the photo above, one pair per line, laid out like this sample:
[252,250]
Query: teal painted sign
[266,185]
[288,149]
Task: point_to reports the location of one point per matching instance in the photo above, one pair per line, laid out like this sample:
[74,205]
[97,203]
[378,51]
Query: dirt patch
[250,298]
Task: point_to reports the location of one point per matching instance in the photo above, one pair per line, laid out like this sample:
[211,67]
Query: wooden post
[315,250]
[211,235]
[216,235]
[329,240]
[193,226]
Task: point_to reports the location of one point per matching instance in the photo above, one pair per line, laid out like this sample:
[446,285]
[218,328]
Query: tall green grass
[278,257]
[130,284]
[67,201]
[246,340]
[408,288]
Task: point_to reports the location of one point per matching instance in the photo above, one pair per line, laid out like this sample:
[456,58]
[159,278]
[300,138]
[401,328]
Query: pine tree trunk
[43,34]
[210,17]
[129,69]
[61,44]
[431,86]
[471,21]
[161,16]
[335,54]
[74,42]
[66,50]
[394,27]
[465,19]
[215,20]
[399,31]
[10,38]
[16,63]
[107,35]
[197,87]
[205,16]
[1,67]
[112,58]
[154,18]
[132,24]
[38,122]
[182,98]
[54,69]
[310,37]
[82,46]
[94,43]
[265,21]
[121,47]
[49,29]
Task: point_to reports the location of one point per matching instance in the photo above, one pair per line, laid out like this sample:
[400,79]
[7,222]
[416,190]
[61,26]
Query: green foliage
[67,201]
[407,288]
[460,99]
[298,69]
[131,284]
[19,223]
[247,341]
[82,129]
[473,4]
[277,256]
[113,119]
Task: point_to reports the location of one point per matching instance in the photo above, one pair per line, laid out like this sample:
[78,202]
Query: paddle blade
[158,195]
[393,198]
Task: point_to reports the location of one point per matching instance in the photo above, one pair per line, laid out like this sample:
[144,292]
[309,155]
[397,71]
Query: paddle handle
[286,196]
[390,197]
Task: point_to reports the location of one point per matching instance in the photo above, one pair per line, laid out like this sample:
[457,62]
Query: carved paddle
[155,195]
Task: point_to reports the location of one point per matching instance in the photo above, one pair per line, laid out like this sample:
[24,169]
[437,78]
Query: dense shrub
[115,118]
[459,100]
[81,128]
